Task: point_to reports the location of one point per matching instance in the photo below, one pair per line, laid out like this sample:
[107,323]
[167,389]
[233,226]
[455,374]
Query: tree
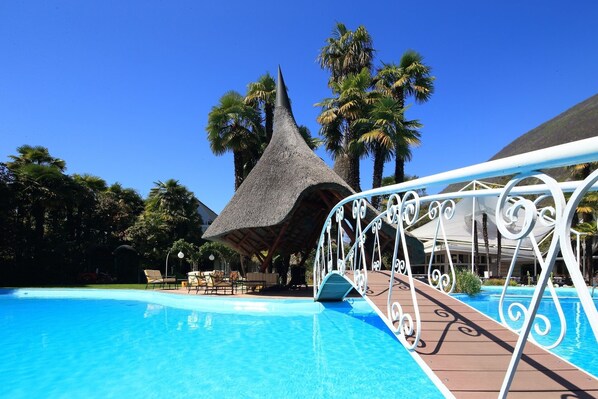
[312,142]
[188,250]
[178,208]
[586,213]
[346,52]
[410,78]
[35,155]
[39,184]
[340,129]
[262,94]
[9,230]
[170,216]
[54,224]
[235,126]
[388,132]
[150,235]
[220,252]
[118,209]
[348,56]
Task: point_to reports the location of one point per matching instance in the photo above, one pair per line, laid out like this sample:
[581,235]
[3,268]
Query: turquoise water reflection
[81,348]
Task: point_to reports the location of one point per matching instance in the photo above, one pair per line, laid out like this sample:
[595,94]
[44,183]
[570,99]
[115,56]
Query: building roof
[577,123]
[282,204]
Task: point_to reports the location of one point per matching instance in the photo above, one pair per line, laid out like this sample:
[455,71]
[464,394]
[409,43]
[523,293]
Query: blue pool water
[579,345]
[77,344]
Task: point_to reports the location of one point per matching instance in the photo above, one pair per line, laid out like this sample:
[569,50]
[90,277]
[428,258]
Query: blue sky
[122,89]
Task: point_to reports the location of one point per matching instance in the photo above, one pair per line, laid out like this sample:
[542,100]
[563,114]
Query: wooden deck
[470,353]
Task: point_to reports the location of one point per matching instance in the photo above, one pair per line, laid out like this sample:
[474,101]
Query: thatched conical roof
[282,204]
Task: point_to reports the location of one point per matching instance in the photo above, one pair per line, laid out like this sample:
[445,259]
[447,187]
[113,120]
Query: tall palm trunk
[346,165]
[498,250]
[354,175]
[238,165]
[476,248]
[399,160]
[269,111]
[378,172]
[486,243]
[399,170]
[589,250]
[354,180]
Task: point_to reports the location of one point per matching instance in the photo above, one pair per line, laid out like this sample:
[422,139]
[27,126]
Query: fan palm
[346,52]
[312,142]
[410,78]
[339,122]
[262,94]
[235,126]
[176,204]
[35,155]
[42,186]
[586,210]
[388,132]
[167,196]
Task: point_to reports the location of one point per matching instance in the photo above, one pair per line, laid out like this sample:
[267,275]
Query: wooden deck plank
[470,353]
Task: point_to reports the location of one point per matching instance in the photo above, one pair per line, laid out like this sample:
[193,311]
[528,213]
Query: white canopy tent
[459,230]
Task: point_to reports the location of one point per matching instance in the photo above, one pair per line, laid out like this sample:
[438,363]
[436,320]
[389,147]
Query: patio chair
[196,279]
[216,281]
[155,277]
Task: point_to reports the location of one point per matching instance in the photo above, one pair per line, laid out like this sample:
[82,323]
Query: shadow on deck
[468,351]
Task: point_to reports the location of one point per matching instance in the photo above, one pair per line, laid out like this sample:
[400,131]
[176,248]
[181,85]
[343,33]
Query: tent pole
[473,231]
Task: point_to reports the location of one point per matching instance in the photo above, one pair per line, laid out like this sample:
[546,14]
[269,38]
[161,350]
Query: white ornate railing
[532,205]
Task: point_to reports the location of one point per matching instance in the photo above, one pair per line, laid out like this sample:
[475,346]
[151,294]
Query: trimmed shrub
[468,282]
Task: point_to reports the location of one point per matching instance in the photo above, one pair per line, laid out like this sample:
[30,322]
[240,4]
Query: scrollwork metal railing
[358,239]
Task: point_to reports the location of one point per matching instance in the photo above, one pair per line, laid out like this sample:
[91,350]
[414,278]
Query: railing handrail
[572,153]
[403,210]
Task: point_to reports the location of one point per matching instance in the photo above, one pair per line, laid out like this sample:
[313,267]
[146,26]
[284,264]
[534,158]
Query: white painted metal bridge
[353,253]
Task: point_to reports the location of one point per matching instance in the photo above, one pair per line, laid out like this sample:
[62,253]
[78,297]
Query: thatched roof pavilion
[282,204]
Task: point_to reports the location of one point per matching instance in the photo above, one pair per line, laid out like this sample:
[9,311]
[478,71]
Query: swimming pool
[131,344]
[579,345]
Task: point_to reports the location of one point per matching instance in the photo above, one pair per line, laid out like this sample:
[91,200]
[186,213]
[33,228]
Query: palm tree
[262,94]
[388,132]
[41,174]
[346,55]
[177,206]
[235,126]
[410,78]
[586,212]
[312,142]
[35,155]
[346,52]
[486,241]
[339,120]
[41,185]
[170,197]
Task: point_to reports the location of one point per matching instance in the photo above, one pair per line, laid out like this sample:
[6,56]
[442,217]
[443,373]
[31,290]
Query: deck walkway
[470,352]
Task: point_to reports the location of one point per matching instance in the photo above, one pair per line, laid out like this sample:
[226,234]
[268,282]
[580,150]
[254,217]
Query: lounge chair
[196,279]
[155,277]
[217,282]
